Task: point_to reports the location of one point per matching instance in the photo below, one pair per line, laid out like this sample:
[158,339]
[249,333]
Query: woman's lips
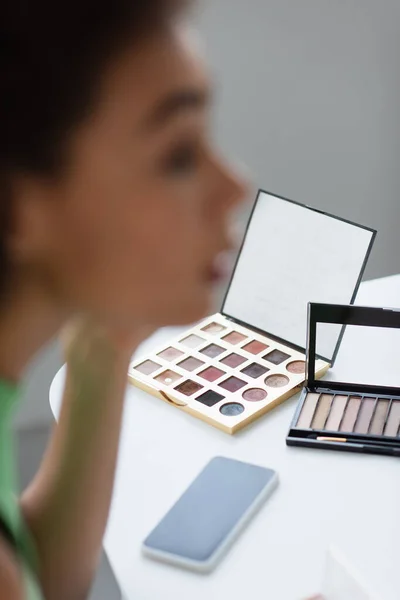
[220,268]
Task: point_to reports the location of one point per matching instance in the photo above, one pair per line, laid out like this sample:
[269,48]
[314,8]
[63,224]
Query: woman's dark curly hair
[52,54]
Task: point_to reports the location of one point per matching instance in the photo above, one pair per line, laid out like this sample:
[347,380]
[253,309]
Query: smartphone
[208,517]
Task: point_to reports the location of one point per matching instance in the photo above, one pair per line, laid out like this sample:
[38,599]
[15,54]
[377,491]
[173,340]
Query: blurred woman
[114,211]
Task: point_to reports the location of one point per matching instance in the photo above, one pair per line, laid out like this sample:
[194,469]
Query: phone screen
[211,509]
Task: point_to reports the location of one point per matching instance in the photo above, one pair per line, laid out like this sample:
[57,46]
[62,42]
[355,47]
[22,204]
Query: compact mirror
[291,255]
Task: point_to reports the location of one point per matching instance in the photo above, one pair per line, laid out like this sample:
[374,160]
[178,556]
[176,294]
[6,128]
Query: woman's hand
[84,339]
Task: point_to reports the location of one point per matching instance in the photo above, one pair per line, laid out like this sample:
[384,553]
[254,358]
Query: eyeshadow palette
[220,379]
[348,416]
[243,361]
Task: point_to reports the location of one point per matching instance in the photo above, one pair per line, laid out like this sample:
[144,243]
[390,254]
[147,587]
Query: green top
[10,512]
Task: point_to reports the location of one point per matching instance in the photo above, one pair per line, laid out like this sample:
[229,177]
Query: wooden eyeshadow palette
[243,361]
[223,373]
[347,416]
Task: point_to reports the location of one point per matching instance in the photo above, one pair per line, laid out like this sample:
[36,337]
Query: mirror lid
[292,254]
[342,315]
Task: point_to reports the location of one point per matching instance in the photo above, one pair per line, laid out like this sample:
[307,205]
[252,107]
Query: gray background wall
[308,98]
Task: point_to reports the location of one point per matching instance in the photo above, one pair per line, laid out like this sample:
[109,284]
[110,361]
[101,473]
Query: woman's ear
[29,230]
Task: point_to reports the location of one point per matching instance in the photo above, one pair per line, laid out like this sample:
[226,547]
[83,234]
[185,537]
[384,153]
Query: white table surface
[349,500]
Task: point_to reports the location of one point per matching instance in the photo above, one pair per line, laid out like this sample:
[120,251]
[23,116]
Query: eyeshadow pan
[168,377]
[379,418]
[192,341]
[211,374]
[393,422]
[365,415]
[191,364]
[255,370]
[307,412]
[148,367]
[297,367]
[170,354]
[213,328]
[212,351]
[255,347]
[233,409]
[322,411]
[337,410]
[188,388]
[233,360]
[234,338]
[350,416]
[276,357]
[255,395]
[233,384]
[277,381]
[210,398]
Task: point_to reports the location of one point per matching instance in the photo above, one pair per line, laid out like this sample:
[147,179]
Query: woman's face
[133,232]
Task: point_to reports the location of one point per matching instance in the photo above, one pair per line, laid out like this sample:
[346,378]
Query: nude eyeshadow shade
[351,414]
[379,418]
[213,328]
[337,411]
[170,354]
[192,341]
[365,415]
[393,421]
[308,410]
[322,411]
[277,381]
[168,377]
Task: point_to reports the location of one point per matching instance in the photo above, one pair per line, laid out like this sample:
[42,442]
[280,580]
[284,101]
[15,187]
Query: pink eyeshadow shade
[255,347]
[211,374]
[235,337]
[233,384]
[255,395]
[170,354]
[297,367]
